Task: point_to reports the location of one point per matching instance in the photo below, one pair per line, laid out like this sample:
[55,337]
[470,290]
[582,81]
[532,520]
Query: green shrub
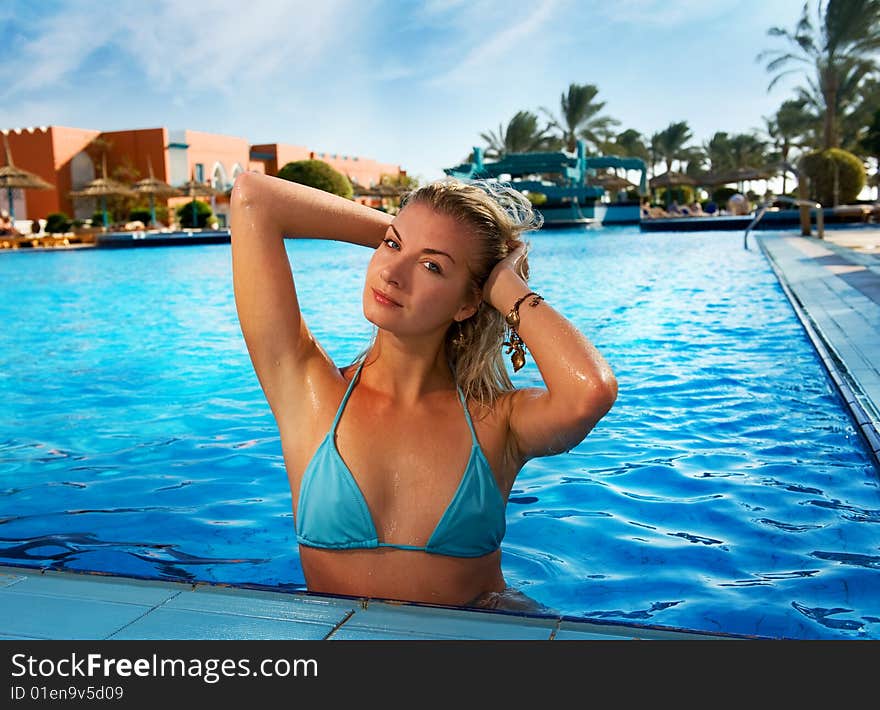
[317,174]
[142,214]
[203,214]
[57,223]
[537,198]
[98,218]
[827,169]
[139,214]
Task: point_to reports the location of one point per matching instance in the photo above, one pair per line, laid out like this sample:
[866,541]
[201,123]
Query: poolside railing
[762,209]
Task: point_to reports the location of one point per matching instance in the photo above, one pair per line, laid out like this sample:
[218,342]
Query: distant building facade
[66,158]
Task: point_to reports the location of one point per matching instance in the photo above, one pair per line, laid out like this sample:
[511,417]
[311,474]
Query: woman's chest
[405,460]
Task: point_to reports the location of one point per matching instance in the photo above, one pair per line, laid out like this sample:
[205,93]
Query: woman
[401,463]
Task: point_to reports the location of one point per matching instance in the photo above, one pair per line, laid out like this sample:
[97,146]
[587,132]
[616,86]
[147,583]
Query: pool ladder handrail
[762,209]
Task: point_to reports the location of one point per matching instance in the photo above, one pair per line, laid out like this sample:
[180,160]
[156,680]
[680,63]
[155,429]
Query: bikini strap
[347,395]
[467,415]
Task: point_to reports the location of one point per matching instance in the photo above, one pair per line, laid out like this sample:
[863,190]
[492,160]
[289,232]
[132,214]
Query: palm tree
[834,54]
[870,142]
[631,144]
[855,125]
[579,117]
[747,151]
[672,142]
[786,129]
[522,135]
[718,152]
[654,152]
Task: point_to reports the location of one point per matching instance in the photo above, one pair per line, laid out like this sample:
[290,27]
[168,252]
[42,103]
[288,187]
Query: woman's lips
[385,300]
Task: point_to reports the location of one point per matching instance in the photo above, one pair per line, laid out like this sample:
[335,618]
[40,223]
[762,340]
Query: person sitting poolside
[7,226]
[400,464]
[738,204]
[696,209]
[653,212]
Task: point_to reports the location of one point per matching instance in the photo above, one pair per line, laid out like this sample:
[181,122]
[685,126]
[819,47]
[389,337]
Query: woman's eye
[431,266]
[389,242]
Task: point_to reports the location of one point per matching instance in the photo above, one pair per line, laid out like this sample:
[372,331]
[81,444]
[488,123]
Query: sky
[402,82]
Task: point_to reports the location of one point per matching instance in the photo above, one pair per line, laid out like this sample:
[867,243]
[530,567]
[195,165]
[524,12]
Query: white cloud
[221,46]
[507,43]
[60,47]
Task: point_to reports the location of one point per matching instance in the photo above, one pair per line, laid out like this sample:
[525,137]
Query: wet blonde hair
[496,216]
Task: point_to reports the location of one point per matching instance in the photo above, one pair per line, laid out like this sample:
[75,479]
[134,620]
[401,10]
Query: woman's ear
[470,307]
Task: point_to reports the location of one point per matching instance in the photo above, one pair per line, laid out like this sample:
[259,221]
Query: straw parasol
[739,175]
[154,187]
[102,187]
[671,179]
[611,182]
[192,188]
[12,178]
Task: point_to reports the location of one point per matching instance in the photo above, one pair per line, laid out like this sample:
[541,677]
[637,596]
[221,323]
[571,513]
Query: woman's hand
[505,278]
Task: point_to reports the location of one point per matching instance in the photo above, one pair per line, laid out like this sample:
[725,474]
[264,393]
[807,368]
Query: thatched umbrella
[102,187]
[739,175]
[610,182]
[192,188]
[14,178]
[154,187]
[671,179]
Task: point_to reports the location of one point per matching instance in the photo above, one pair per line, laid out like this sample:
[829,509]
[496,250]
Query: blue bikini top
[333,514]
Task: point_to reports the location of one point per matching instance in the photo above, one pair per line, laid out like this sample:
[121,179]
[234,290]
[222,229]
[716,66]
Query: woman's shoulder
[497,411]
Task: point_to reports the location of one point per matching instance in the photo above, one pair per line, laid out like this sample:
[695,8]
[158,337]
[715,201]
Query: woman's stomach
[404,575]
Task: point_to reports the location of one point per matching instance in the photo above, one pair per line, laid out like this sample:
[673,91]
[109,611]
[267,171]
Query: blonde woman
[400,463]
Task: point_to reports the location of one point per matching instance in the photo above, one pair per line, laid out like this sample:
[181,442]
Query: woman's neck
[407,369]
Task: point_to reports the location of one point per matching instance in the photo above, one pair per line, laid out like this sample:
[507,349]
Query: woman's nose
[390,275]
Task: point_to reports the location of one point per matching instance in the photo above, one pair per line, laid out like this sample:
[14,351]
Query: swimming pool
[727,490]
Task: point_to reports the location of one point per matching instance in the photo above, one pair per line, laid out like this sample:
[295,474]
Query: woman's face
[419,279]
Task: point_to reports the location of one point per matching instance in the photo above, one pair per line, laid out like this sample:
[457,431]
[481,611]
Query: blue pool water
[727,490]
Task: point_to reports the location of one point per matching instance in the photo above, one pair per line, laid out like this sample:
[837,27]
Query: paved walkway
[834,286]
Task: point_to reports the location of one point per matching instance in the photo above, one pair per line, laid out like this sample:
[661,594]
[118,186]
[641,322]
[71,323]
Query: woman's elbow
[596,401]
[244,190]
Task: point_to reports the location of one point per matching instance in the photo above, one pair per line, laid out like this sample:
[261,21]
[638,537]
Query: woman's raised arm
[580,385]
[263,211]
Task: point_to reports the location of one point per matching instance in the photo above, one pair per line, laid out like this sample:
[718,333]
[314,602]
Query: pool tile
[57,617]
[5,637]
[95,587]
[185,624]
[382,620]
[8,577]
[271,605]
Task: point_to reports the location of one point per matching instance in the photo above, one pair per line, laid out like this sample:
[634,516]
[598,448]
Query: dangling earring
[458,340]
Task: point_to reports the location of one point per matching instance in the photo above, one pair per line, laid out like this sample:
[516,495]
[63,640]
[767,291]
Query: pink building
[61,156]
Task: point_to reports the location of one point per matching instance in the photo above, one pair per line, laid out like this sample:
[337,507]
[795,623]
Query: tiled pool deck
[48,604]
[834,286]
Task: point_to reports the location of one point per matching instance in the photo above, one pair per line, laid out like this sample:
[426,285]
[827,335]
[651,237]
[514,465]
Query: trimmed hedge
[318,174]
[820,166]
[203,214]
[57,223]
